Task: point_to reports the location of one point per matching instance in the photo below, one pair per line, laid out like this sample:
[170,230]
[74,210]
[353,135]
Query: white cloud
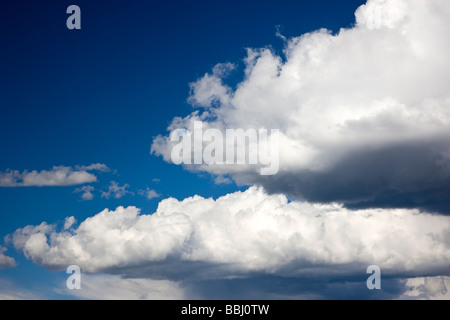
[222,180]
[149,194]
[116,191]
[57,176]
[5,261]
[86,192]
[242,234]
[210,89]
[371,96]
[69,222]
[427,288]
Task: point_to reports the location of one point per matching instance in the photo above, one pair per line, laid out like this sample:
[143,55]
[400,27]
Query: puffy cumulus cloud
[245,234]
[363,114]
[5,261]
[210,89]
[57,176]
[110,239]
[113,287]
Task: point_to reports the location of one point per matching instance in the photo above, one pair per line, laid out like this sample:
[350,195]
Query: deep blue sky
[100,94]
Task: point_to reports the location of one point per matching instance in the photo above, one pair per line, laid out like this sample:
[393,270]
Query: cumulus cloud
[57,176]
[363,114]
[5,261]
[364,120]
[210,89]
[244,234]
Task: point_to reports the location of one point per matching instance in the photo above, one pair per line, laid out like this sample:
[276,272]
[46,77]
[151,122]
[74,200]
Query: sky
[357,90]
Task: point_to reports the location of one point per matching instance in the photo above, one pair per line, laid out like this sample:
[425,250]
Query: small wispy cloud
[222,180]
[149,194]
[86,192]
[116,191]
[278,34]
[95,166]
[69,222]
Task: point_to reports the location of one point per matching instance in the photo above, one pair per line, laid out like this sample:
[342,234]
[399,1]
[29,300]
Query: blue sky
[101,94]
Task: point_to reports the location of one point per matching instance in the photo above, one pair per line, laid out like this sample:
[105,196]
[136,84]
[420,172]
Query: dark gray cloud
[399,176]
[280,288]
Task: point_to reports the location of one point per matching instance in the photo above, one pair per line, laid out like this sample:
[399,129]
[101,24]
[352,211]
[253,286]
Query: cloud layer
[107,287]
[364,114]
[244,234]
